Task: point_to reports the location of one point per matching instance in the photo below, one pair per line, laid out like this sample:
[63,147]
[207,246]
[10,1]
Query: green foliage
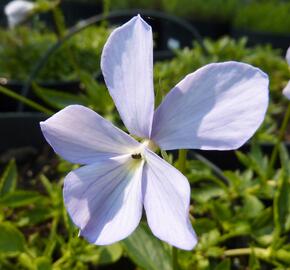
[217,10]
[11,239]
[147,251]
[8,179]
[22,47]
[265,16]
[50,240]
[129,4]
[241,217]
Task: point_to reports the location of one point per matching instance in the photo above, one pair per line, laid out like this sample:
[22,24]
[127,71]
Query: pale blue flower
[218,107]
[286,90]
[17,11]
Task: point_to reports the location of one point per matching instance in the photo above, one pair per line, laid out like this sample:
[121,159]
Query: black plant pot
[212,29]
[20,130]
[279,41]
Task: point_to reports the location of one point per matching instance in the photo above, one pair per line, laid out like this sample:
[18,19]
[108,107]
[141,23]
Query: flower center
[138,154]
[150,145]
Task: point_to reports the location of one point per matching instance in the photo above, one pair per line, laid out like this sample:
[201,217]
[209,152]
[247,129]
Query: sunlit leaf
[20,198]
[11,239]
[252,206]
[8,179]
[110,254]
[224,265]
[58,99]
[146,250]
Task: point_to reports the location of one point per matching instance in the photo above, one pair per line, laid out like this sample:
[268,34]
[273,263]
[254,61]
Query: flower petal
[80,135]
[17,11]
[286,90]
[127,65]
[166,195]
[104,199]
[288,56]
[218,107]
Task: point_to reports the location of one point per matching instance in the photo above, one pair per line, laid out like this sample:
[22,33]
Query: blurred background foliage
[241,215]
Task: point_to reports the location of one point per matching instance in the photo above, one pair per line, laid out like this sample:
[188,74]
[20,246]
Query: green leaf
[252,206]
[20,198]
[281,205]
[284,157]
[206,193]
[254,263]
[43,263]
[58,99]
[203,225]
[110,254]
[224,265]
[221,210]
[209,239]
[147,251]
[35,215]
[8,179]
[90,84]
[98,96]
[11,239]
[254,161]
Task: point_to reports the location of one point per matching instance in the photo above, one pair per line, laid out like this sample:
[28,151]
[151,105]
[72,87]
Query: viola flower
[17,11]
[218,107]
[286,90]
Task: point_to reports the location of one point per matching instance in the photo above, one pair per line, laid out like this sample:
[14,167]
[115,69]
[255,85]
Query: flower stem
[261,253]
[280,138]
[181,162]
[174,258]
[24,100]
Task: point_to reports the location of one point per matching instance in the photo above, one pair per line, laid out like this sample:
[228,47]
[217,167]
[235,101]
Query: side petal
[286,90]
[218,107]
[288,56]
[166,195]
[80,135]
[127,65]
[104,199]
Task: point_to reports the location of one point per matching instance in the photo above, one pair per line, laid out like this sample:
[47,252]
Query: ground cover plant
[241,216]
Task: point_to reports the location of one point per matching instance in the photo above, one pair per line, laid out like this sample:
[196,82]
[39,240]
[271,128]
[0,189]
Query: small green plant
[21,48]
[264,16]
[217,10]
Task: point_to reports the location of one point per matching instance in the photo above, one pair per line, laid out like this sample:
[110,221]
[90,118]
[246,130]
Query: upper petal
[17,11]
[80,135]
[218,107]
[288,56]
[286,90]
[104,199]
[127,65]
[166,195]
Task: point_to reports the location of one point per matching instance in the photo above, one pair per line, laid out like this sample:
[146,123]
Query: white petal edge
[127,66]
[80,135]
[166,195]
[288,56]
[104,199]
[17,11]
[286,91]
[218,107]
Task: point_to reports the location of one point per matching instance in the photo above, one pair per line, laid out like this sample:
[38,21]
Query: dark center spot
[136,156]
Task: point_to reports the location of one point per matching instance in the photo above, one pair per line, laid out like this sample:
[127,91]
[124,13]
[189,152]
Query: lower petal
[104,199]
[166,195]
[286,90]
